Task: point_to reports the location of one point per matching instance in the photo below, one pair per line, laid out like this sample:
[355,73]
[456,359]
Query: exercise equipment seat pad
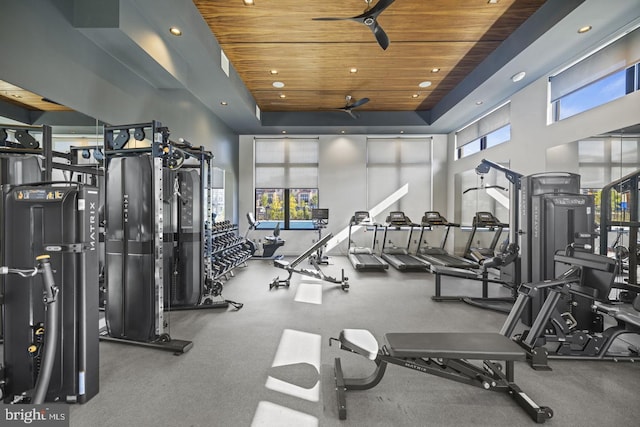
[453,345]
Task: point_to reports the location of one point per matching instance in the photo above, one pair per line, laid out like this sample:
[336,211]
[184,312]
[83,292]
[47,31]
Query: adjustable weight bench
[317,273]
[445,355]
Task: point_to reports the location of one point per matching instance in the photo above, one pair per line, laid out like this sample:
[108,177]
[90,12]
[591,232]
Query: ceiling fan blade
[351,113]
[381,36]
[331,19]
[359,102]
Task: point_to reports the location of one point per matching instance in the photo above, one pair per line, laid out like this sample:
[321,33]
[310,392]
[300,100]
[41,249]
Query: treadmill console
[361,217]
[398,218]
[486,219]
[433,218]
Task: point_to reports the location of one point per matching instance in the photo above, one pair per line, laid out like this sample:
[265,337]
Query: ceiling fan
[369,18]
[348,108]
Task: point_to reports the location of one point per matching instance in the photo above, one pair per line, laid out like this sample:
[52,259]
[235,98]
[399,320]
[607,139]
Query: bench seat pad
[453,345]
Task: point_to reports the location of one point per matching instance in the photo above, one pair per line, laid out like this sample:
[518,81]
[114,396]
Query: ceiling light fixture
[435,70]
[424,84]
[584,29]
[278,85]
[273,72]
[353,70]
[284,131]
[224,103]
[415,95]
[341,131]
[493,1]
[518,76]
[15,95]
[478,102]
[401,131]
[175,31]
[282,95]
[248,2]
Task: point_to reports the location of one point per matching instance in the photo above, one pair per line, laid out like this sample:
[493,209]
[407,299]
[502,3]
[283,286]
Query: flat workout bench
[442,354]
[316,273]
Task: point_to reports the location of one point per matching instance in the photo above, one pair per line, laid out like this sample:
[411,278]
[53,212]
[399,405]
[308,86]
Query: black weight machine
[159,235]
[317,273]
[47,335]
[506,259]
[626,188]
[570,323]
[52,338]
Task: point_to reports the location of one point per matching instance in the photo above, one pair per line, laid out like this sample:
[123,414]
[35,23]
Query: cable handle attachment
[50,289]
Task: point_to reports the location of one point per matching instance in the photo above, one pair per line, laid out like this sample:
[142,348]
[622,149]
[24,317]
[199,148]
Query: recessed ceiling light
[478,102]
[492,1]
[401,131]
[274,72]
[282,95]
[424,84]
[15,95]
[435,70]
[415,95]
[175,31]
[518,76]
[341,131]
[278,84]
[224,103]
[584,29]
[248,2]
[353,70]
[284,131]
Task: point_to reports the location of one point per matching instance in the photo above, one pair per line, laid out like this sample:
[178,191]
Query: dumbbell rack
[225,250]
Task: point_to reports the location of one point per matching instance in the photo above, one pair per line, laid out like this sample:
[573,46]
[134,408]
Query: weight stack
[60,220]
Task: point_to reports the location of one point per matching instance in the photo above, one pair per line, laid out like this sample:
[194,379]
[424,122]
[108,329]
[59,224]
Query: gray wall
[342,187]
[42,52]
[537,146]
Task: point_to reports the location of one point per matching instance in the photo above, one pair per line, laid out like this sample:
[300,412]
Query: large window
[286,182]
[608,74]
[603,160]
[488,131]
[394,164]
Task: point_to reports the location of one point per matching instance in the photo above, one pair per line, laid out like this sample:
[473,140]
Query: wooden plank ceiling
[23,98]
[314,58]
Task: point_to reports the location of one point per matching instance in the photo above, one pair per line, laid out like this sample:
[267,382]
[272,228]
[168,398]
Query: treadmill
[398,257]
[489,221]
[437,255]
[363,258]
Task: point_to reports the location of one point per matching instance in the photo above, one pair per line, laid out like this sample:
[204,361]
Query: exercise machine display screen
[361,216]
[320,214]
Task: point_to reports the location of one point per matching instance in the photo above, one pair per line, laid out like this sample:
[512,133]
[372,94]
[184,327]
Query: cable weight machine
[158,231]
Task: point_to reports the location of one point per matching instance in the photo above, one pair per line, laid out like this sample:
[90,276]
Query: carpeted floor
[257,366]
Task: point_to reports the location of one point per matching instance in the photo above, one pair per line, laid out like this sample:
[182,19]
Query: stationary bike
[270,245]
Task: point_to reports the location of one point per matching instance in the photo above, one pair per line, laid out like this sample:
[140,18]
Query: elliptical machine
[270,245]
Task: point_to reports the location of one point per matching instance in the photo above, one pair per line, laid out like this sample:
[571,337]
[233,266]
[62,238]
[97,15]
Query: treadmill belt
[364,261]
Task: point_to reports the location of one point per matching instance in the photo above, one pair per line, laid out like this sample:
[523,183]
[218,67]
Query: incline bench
[445,355]
[317,273]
